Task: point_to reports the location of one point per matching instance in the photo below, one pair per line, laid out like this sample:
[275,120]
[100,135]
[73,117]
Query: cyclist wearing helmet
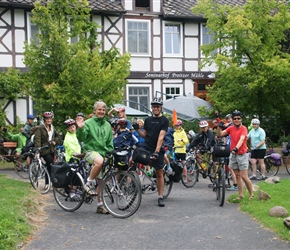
[258,147]
[71,143]
[121,113]
[155,128]
[27,127]
[124,136]
[46,135]
[206,139]
[97,137]
[180,142]
[238,158]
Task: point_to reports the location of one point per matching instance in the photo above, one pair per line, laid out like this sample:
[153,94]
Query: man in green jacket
[97,137]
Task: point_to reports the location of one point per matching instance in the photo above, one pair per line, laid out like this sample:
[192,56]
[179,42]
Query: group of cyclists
[98,135]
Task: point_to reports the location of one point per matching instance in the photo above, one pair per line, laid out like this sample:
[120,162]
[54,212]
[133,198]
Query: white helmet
[256,121]
[191,133]
[203,124]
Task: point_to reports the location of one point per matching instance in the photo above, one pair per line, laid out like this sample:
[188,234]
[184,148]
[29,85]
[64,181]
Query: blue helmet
[30,116]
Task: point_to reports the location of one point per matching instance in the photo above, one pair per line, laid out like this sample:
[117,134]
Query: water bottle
[149,173]
[203,166]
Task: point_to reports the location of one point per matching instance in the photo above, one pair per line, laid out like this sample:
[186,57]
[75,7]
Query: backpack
[177,169]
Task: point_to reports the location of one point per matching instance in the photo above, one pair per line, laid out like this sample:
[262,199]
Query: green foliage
[16,203]
[69,77]
[260,209]
[253,69]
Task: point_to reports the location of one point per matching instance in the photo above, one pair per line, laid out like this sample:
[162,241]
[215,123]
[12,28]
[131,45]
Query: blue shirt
[257,135]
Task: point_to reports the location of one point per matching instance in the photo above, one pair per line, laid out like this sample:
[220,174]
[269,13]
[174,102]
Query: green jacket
[96,135]
[19,138]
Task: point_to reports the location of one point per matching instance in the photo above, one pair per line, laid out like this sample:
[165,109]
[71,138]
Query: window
[138,37]
[142,3]
[33,31]
[172,38]
[139,95]
[207,38]
[172,91]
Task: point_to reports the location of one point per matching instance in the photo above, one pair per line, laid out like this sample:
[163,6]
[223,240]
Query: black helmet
[157,101]
[113,121]
[69,122]
[80,114]
[237,113]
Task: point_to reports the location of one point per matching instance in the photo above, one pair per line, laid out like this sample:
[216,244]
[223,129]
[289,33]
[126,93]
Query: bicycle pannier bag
[176,170]
[121,160]
[221,150]
[276,159]
[142,156]
[60,175]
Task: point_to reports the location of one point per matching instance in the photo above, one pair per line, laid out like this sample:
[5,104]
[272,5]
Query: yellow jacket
[180,141]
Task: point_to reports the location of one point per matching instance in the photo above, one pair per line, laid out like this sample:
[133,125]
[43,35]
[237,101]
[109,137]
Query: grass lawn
[259,210]
[19,206]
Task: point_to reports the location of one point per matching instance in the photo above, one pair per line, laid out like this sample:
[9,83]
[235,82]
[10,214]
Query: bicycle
[272,166]
[38,174]
[120,191]
[219,181]
[8,154]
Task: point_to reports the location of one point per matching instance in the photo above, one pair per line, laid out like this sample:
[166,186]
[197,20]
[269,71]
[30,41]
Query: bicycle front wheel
[39,177]
[71,197]
[21,169]
[192,174]
[221,186]
[287,165]
[121,194]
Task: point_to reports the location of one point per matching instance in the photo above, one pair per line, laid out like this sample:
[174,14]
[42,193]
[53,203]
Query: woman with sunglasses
[238,158]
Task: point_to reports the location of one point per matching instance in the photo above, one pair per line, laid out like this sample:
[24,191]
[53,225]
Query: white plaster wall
[20,39]
[188,86]
[191,29]
[140,64]
[19,18]
[156,6]
[156,47]
[5,61]
[172,64]
[156,27]
[19,61]
[191,47]
[128,5]
[212,67]
[156,65]
[191,65]
[156,87]
[21,111]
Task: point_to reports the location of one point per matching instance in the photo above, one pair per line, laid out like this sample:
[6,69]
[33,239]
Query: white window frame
[210,37]
[175,86]
[148,38]
[172,54]
[149,86]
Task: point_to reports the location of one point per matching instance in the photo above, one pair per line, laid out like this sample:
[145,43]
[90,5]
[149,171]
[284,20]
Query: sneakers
[102,210]
[233,188]
[263,178]
[184,178]
[253,177]
[161,202]
[90,188]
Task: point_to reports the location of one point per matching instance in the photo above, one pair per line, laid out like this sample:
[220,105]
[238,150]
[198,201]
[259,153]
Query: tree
[68,77]
[253,71]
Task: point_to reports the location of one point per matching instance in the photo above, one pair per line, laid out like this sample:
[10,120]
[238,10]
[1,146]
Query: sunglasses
[237,118]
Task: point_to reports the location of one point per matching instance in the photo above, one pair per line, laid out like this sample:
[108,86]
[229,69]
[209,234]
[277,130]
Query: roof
[181,8]
[96,5]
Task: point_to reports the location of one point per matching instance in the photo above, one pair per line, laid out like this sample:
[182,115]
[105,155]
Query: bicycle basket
[60,175]
[121,160]
[142,156]
[276,159]
[221,150]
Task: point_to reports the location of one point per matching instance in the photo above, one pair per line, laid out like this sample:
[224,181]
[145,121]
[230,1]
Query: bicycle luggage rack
[9,147]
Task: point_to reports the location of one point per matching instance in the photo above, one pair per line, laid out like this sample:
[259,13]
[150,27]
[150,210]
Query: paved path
[191,219]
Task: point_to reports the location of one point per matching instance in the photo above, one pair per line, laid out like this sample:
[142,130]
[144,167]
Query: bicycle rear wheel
[271,169]
[167,186]
[21,169]
[192,174]
[221,186]
[121,194]
[71,197]
[39,177]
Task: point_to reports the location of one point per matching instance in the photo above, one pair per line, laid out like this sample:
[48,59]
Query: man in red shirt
[239,161]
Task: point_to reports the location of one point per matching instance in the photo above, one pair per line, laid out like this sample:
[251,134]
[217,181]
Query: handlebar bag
[221,150]
[140,155]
